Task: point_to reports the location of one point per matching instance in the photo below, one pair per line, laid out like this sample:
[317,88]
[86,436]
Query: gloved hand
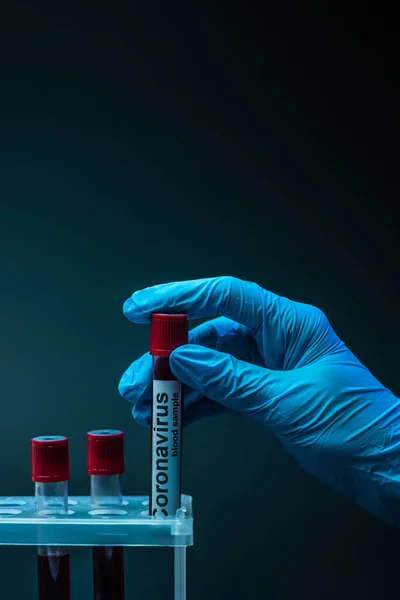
[281,363]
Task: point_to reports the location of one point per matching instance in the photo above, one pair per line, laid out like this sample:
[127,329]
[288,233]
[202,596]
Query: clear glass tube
[52,561]
[106,490]
[52,498]
[108,561]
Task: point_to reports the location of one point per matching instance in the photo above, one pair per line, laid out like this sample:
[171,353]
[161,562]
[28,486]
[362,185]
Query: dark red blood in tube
[53,576]
[108,573]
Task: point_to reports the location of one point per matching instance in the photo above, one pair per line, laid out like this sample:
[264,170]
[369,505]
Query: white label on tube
[166,448]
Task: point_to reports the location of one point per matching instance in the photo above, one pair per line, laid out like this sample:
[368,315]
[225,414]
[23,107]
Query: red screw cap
[50,459]
[167,333]
[105,452]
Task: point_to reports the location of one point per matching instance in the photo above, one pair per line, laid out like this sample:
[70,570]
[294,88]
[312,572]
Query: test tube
[50,473]
[105,465]
[168,332]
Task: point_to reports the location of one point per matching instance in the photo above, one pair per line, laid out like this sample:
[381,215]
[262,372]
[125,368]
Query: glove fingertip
[183,358]
[135,311]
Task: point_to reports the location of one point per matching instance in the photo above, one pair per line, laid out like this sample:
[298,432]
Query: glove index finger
[241,301]
[238,385]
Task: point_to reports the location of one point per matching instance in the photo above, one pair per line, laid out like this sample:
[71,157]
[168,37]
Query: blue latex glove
[281,363]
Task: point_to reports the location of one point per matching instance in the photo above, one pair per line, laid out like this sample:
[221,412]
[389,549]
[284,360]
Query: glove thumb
[236,384]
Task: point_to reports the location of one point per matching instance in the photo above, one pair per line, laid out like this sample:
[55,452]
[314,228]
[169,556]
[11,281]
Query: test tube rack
[86,525]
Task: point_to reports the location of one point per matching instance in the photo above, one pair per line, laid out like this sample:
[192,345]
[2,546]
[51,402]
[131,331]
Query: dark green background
[148,142]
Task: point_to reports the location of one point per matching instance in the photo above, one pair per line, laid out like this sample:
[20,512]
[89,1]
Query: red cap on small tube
[105,452]
[167,333]
[50,459]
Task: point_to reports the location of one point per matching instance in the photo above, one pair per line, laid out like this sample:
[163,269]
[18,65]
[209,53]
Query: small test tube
[50,474]
[105,465]
[168,332]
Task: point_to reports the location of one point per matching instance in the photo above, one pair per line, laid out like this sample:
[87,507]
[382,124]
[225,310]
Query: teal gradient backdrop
[147,144]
